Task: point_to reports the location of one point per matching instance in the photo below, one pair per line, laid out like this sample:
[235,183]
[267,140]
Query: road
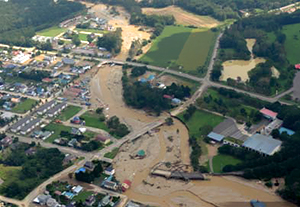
[205,83]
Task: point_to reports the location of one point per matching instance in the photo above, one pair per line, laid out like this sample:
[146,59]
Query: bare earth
[183,17]
[129,32]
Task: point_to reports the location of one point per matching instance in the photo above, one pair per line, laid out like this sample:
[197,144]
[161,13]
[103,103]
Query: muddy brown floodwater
[240,68]
[106,90]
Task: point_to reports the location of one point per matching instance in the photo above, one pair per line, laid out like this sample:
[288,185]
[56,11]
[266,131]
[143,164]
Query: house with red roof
[297,66]
[126,185]
[268,113]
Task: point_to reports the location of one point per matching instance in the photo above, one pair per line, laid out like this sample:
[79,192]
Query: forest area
[233,46]
[19,20]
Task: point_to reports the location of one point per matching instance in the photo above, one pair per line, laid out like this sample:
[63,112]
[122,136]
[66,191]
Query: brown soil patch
[183,17]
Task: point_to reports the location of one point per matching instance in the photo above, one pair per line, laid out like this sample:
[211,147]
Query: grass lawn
[24,106]
[197,121]
[57,128]
[196,49]
[112,154]
[220,161]
[69,112]
[8,173]
[167,47]
[292,42]
[51,32]
[200,119]
[82,196]
[92,120]
[181,46]
[82,37]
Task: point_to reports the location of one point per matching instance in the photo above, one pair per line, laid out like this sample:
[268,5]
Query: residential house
[30,126]
[268,113]
[57,109]
[77,189]
[19,124]
[46,107]
[5,142]
[89,165]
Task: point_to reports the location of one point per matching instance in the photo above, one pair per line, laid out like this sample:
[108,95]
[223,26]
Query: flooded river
[218,191]
[240,68]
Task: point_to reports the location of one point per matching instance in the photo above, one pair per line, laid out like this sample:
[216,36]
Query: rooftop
[268,112]
[215,136]
[263,144]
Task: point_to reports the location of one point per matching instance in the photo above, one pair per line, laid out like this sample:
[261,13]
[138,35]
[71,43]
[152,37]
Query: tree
[169,121]
[90,38]
[75,40]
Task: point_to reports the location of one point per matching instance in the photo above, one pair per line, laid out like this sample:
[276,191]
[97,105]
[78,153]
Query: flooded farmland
[169,144]
[240,68]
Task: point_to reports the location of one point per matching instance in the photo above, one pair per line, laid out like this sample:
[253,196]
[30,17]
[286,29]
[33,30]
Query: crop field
[180,46]
[183,17]
[292,42]
[196,49]
[51,32]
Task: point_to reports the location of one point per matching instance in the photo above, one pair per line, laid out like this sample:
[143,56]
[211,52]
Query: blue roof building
[151,77]
[263,144]
[288,131]
[82,169]
[216,137]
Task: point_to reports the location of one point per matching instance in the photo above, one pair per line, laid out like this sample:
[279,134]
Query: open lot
[183,17]
[24,106]
[180,48]
[69,112]
[57,129]
[220,161]
[9,173]
[52,31]
[292,42]
[112,154]
[92,119]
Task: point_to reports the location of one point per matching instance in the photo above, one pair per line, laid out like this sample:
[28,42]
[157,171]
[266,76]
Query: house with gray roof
[30,126]
[265,145]
[215,137]
[44,108]
[21,123]
[56,109]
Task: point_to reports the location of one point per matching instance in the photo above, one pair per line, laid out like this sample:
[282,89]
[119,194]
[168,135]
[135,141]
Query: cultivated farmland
[292,42]
[183,17]
[180,48]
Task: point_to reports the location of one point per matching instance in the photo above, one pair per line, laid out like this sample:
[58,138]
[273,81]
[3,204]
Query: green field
[112,154]
[69,112]
[82,37]
[9,174]
[196,49]
[57,128]
[220,161]
[51,32]
[180,46]
[82,196]
[200,119]
[292,42]
[24,106]
[93,120]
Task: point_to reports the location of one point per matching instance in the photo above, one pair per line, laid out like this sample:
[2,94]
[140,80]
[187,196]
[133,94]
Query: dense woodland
[34,168]
[19,20]
[111,41]
[143,95]
[233,46]
[219,9]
